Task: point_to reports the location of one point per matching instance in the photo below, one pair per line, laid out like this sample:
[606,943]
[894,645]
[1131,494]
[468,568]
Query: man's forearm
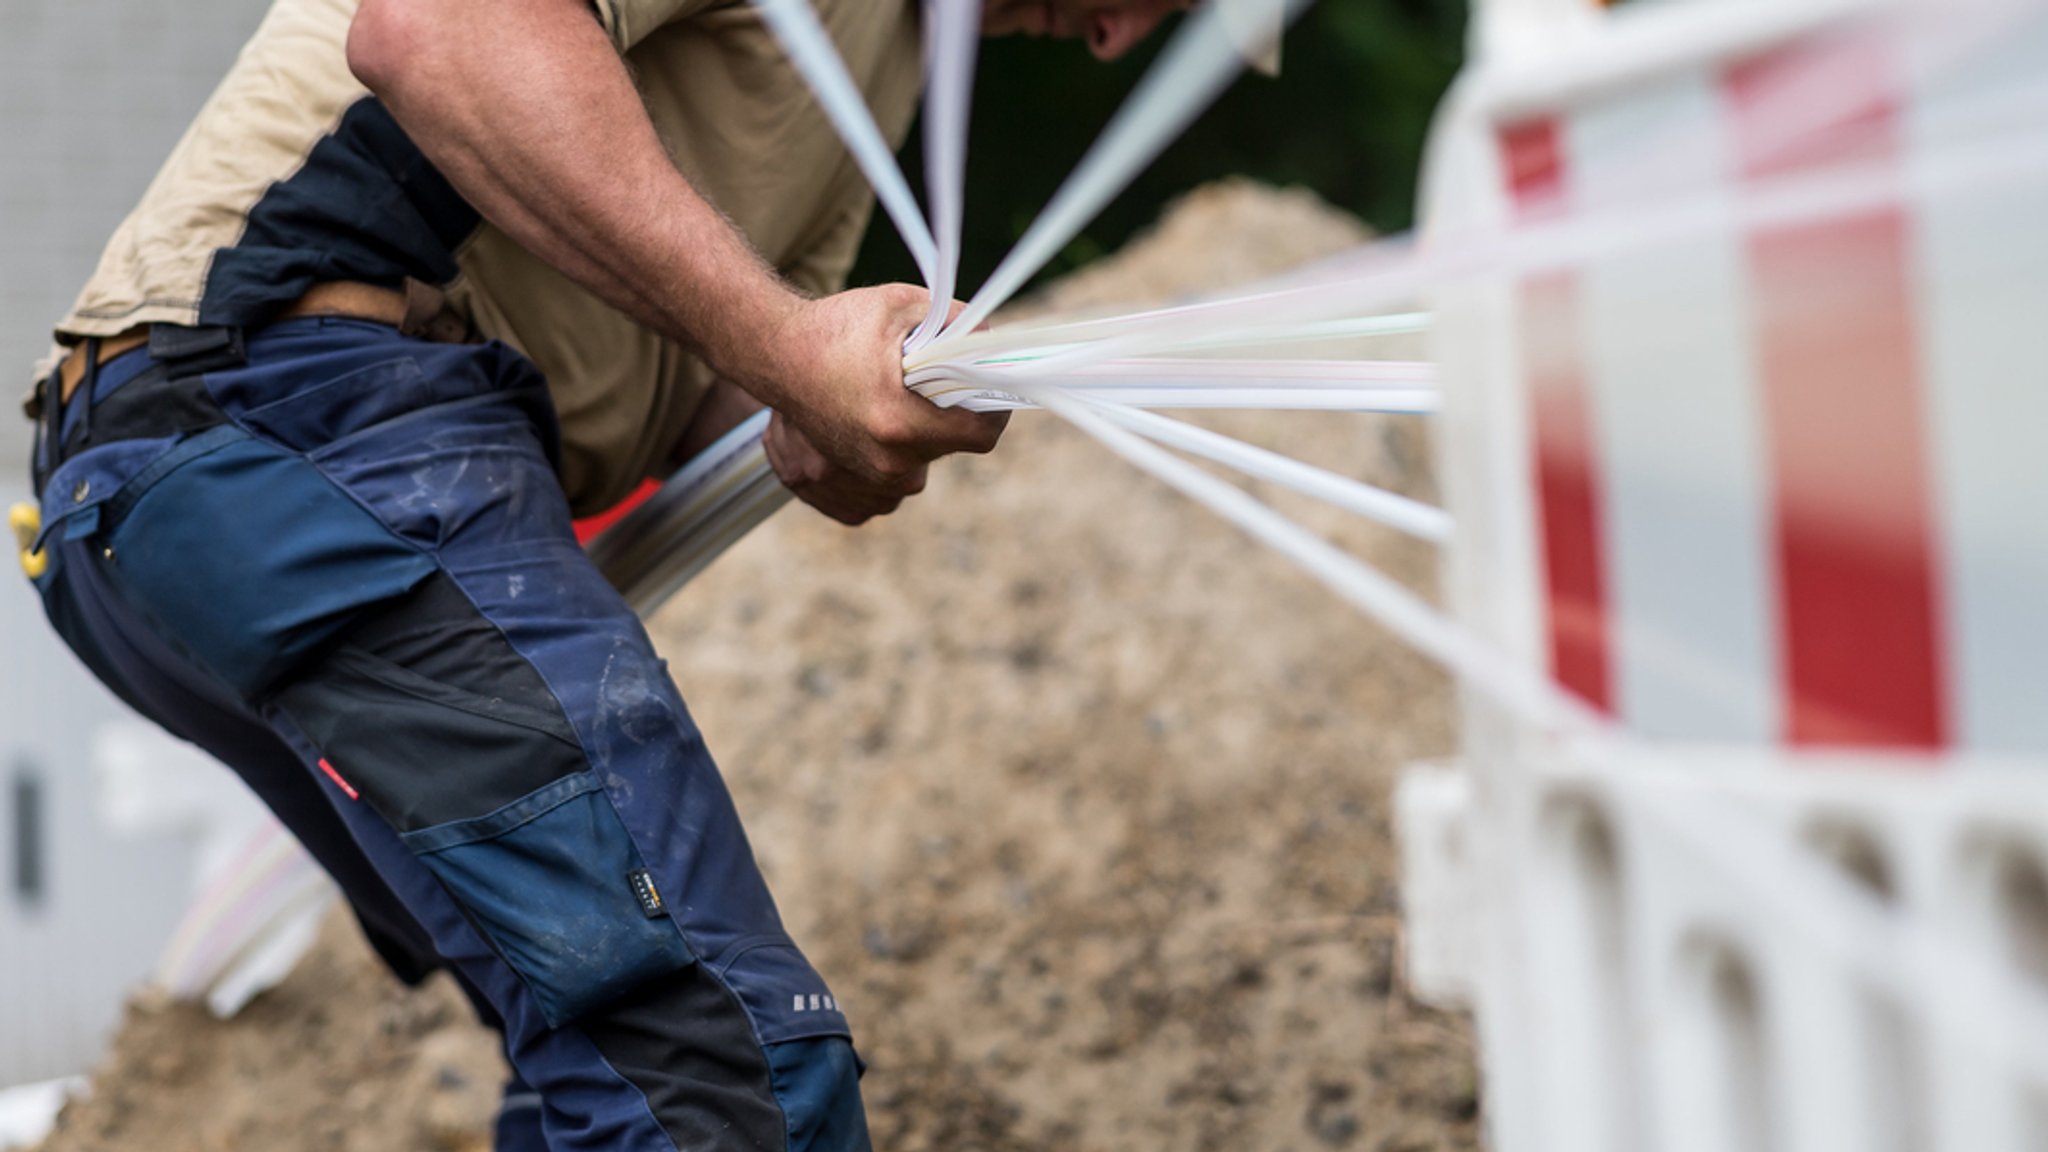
[527,109]
[525,106]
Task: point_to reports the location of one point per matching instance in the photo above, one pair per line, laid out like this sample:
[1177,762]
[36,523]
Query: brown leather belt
[419,310]
[72,370]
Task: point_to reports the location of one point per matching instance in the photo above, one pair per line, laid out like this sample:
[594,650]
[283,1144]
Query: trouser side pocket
[492,793]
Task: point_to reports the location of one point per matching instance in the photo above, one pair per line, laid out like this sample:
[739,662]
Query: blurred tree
[1346,117]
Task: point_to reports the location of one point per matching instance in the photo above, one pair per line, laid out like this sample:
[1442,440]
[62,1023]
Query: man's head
[1111,27]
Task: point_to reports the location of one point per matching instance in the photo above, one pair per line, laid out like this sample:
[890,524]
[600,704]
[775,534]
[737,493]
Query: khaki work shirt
[293,174]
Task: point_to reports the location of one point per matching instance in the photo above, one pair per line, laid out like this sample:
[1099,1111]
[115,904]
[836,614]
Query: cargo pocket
[248,558]
[557,885]
[494,796]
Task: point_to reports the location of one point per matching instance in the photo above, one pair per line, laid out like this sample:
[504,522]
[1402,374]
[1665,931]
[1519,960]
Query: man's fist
[850,499]
[848,437]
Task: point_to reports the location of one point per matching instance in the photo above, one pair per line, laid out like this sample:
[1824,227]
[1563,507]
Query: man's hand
[839,369]
[848,437]
[852,500]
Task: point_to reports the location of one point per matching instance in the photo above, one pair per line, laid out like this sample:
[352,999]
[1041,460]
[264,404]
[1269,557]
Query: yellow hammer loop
[26,520]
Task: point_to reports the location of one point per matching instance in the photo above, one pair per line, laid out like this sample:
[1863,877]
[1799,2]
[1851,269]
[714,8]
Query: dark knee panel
[429,716]
[686,1043]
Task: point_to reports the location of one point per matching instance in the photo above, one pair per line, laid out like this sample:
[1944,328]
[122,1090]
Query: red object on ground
[588,528]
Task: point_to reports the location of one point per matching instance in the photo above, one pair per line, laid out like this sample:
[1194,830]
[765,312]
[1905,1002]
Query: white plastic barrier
[1636,992]
[1770,499]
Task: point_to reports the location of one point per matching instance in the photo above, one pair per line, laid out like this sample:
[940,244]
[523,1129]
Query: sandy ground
[1078,798]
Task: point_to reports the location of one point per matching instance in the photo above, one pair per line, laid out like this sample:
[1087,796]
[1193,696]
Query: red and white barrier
[1780,477]
[1774,498]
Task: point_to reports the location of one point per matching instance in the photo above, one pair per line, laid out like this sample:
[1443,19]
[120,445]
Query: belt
[417,310]
[72,370]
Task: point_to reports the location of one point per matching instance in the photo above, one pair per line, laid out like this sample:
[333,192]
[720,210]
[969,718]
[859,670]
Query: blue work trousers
[340,560]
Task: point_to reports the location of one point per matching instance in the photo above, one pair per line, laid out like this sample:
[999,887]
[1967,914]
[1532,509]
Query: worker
[425,281]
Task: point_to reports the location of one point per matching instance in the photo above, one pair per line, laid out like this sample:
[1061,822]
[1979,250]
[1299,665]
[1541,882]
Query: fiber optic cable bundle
[1111,375]
[729,489]
[1817,153]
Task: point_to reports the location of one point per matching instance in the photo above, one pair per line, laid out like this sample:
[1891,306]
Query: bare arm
[527,109]
[525,106]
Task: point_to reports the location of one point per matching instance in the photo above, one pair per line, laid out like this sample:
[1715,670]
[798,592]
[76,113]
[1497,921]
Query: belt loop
[87,386]
[53,411]
[48,389]
[187,351]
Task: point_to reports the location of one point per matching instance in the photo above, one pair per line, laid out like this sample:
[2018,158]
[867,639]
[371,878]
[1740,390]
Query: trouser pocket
[494,796]
[247,558]
[557,885]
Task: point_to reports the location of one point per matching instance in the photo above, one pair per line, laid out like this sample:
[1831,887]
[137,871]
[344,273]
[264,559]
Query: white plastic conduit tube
[656,548]
[1572,241]
[1582,239]
[1395,511]
[1194,335]
[1283,304]
[1326,385]
[1344,328]
[811,51]
[1386,402]
[1197,370]
[1046,338]
[980,395]
[1406,615]
[1200,62]
[951,29]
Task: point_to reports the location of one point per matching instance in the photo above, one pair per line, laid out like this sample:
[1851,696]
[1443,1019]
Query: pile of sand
[1078,799]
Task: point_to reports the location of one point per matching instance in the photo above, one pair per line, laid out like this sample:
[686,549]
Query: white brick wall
[92,97]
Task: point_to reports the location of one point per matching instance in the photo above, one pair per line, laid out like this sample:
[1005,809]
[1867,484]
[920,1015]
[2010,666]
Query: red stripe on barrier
[1567,466]
[1567,487]
[1533,154]
[1839,360]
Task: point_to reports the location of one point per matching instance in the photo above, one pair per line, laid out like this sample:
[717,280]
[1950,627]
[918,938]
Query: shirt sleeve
[822,267]
[628,22]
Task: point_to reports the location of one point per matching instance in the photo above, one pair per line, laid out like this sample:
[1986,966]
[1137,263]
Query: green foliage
[1347,117]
